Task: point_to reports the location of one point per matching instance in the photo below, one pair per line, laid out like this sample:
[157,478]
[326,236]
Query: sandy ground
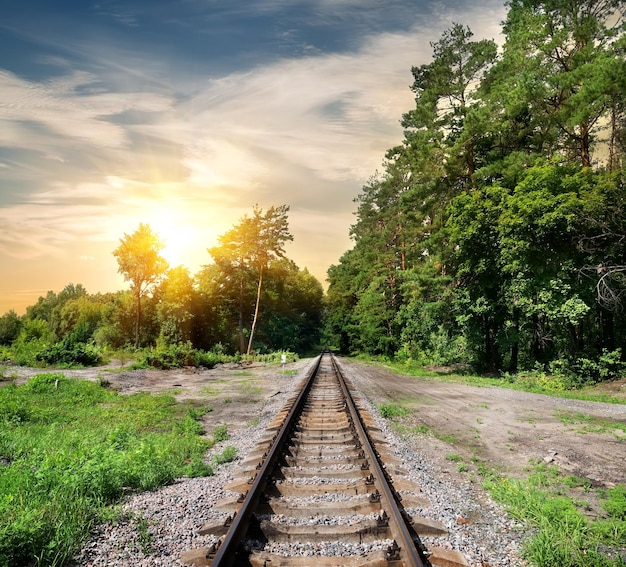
[504,429]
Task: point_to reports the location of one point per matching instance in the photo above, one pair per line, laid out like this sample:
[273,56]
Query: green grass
[71,449]
[592,424]
[564,535]
[392,410]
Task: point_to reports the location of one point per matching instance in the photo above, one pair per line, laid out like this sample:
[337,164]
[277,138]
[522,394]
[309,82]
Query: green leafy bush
[180,355]
[582,371]
[68,353]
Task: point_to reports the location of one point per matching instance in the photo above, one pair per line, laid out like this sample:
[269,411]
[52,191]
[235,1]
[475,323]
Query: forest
[494,235]
[250,298]
[492,238]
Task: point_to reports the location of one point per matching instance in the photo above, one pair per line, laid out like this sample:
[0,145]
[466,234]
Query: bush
[171,356]
[180,355]
[582,371]
[68,353]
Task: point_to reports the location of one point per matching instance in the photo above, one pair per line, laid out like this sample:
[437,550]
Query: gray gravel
[156,527]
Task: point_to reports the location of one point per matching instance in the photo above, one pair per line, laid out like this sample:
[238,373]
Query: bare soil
[504,429]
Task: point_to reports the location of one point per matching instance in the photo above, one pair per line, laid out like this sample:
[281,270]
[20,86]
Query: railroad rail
[322,478]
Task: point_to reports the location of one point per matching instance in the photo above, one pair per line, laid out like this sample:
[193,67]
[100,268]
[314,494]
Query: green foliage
[392,410]
[69,353]
[583,371]
[180,355]
[615,503]
[563,536]
[10,326]
[228,455]
[495,235]
[71,450]
[220,433]
[171,356]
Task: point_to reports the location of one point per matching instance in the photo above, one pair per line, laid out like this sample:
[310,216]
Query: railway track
[322,489]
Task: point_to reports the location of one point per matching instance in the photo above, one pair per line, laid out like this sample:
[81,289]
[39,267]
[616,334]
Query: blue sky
[185,114]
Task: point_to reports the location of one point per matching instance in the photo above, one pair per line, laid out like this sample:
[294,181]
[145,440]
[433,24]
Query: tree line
[249,298]
[495,233]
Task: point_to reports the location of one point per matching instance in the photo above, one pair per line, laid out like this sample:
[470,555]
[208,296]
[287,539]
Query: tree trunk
[513,363]
[242,342]
[585,143]
[256,310]
[137,319]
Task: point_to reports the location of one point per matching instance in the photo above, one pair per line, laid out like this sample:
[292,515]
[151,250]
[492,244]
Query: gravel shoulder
[503,428]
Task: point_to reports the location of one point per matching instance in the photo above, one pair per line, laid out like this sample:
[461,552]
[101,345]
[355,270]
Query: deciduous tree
[140,263]
[249,247]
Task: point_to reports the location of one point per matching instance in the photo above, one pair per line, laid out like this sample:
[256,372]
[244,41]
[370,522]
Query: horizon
[185,115]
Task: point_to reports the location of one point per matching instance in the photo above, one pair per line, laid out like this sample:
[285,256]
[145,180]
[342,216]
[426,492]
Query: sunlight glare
[180,237]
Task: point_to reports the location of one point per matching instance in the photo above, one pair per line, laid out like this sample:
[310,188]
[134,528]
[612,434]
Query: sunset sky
[185,114]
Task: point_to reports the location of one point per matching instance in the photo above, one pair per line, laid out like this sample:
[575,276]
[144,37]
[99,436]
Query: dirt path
[505,428]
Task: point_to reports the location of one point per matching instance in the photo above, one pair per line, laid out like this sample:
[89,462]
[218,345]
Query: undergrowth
[71,448]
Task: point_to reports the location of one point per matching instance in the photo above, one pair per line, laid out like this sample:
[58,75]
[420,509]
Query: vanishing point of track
[323,476]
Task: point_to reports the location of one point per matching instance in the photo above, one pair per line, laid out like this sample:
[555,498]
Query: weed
[615,502]
[392,410]
[146,539]
[592,424]
[421,429]
[462,467]
[220,433]
[447,438]
[228,455]
[454,457]
[563,535]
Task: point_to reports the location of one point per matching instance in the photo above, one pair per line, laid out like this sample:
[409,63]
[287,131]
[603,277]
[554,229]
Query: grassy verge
[69,449]
[563,535]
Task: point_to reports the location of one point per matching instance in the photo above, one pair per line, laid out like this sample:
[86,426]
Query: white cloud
[307,132]
[71,114]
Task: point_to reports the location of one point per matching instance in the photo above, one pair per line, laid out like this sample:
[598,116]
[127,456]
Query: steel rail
[412,556]
[227,551]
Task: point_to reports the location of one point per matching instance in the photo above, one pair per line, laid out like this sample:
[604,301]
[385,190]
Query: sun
[181,238]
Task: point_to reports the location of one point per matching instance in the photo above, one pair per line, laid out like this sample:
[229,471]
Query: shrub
[68,353]
[582,371]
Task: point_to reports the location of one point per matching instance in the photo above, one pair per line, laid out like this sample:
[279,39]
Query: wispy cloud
[136,138]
